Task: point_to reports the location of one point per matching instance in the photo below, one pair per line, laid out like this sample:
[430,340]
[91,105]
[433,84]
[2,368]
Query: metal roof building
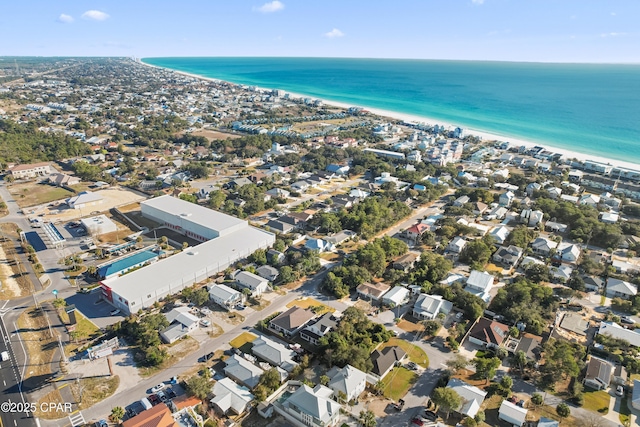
[228,240]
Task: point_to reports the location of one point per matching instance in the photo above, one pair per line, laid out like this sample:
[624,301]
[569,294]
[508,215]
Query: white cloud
[613,14]
[270,7]
[612,34]
[95,15]
[335,33]
[478,2]
[65,19]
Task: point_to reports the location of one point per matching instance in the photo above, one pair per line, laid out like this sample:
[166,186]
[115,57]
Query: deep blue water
[588,108]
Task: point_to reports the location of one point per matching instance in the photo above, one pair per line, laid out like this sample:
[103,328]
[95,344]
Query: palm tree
[117,414]
[367,419]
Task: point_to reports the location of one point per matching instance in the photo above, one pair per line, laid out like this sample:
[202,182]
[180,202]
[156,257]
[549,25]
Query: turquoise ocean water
[589,108]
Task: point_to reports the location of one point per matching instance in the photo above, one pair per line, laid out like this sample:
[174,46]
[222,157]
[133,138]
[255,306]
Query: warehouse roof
[197,261]
[191,212]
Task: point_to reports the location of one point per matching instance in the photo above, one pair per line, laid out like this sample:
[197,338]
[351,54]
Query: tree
[198,386]
[216,199]
[287,275]
[367,419]
[486,367]
[431,327]
[259,257]
[452,343]
[537,273]
[469,422]
[520,360]
[537,399]
[446,399]
[514,332]
[324,380]
[457,363]
[117,414]
[506,383]
[563,410]
[476,254]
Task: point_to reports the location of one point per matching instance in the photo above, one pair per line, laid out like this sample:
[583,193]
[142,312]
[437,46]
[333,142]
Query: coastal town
[180,251]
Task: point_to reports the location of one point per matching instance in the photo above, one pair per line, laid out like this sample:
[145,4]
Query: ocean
[587,108]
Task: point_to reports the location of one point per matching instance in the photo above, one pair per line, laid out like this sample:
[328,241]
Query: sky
[503,30]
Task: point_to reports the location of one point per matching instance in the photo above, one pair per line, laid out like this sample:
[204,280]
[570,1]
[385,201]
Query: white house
[569,252]
[506,199]
[31,170]
[319,245]
[348,380]
[84,200]
[543,246]
[617,288]
[512,413]
[456,245]
[181,323]
[479,283]
[531,217]
[258,285]
[429,306]
[274,353]
[224,296]
[614,330]
[589,200]
[472,397]
[399,295]
[230,397]
[310,407]
[500,234]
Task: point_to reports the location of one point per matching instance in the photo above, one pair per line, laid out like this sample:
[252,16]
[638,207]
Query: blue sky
[512,30]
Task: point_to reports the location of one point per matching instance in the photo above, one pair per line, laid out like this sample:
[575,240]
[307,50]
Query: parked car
[101,423]
[620,391]
[115,312]
[412,365]
[158,388]
[239,307]
[207,357]
[153,399]
[430,415]
[206,323]
[417,421]
[170,393]
[627,320]
[398,406]
[163,397]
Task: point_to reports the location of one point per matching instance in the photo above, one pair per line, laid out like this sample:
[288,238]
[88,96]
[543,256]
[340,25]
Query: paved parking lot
[95,309]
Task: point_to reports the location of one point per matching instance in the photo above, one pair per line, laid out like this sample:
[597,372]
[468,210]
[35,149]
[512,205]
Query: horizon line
[331,57]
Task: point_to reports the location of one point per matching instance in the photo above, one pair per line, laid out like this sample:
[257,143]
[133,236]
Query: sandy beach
[486,136]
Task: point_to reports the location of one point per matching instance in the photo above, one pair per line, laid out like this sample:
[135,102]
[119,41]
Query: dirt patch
[93,390]
[13,276]
[33,194]
[212,134]
[176,351]
[10,287]
[408,326]
[40,346]
[49,398]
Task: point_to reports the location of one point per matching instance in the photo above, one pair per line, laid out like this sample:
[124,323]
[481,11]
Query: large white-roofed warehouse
[226,240]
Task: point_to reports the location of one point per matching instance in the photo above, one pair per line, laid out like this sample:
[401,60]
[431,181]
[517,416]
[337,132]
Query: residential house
[512,413]
[509,255]
[472,397]
[341,237]
[384,360]
[84,200]
[278,193]
[530,345]
[593,283]
[275,257]
[555,227]
[319,245]
[620,375]
[456,245]
[258,285]
[316,330]
[429,306]
[547,422]
[181,323]
[63,180]
[589,200]
[372,291]
[310,407]
[530,217]
[623,267]
[291,321]
[274,353]
[268,272]
[506,199]
[500,234]
[488,333]
[158,416]
[397,296]
[300,186]
[479,208]
[609,217]
[568,252]
[543,246]
[338,169]
[599,373]
[279,227]
[461,201]
[480,283]
[242,371]
[349,381]
[635,397]
[561,273]
[225,296]
[614,330]
[416,231]
[230,398]
[617,288]
[532,187]
[499,212]
[405,262]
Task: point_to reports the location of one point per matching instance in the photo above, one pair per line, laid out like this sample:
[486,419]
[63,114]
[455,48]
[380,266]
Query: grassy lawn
[314,305]
[243,341]
[397,383]
[52,397]
[84,330]
[94,390]
[415,353]
[32,194]
[597,401]
[624,411]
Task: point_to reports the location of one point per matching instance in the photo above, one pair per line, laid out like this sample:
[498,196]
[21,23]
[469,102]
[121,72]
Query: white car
[158,388]
[204,322]
[620,391]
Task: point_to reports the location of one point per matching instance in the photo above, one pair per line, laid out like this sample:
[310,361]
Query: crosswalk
[76,419]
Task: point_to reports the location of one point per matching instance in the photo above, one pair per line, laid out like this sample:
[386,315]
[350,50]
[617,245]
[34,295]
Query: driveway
[94,308]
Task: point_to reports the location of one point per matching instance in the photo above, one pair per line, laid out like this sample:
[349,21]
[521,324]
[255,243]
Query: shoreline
[484,135]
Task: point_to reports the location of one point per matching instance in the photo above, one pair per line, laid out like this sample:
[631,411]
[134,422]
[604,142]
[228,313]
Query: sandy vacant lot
[113,197]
